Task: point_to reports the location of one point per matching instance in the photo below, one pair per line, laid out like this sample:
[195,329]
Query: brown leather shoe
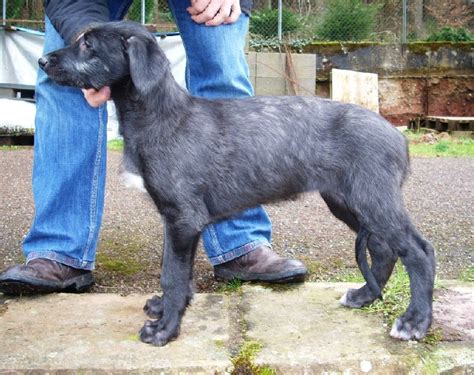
[262,264]
[44,276]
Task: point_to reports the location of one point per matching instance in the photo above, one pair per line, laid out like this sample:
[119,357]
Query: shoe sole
[78,284]
[294,276]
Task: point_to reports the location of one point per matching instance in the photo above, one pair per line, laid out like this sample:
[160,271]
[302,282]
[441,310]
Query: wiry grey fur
[204,160]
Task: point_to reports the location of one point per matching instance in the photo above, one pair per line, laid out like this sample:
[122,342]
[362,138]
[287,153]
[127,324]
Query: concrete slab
[98,332]
[302,330]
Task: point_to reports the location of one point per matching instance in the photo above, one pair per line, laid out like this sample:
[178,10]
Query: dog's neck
[165,101]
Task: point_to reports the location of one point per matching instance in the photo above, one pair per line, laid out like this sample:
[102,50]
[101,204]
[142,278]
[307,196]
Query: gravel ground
[439,195]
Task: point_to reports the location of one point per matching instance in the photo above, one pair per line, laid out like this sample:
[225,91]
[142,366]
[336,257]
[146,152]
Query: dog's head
[106,54]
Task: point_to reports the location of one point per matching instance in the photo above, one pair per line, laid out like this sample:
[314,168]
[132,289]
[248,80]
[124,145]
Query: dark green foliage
[451,34]
[265,22]
[15,9]
[135,11]
[347,20]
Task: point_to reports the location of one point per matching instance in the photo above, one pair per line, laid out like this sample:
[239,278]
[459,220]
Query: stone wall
[422,78]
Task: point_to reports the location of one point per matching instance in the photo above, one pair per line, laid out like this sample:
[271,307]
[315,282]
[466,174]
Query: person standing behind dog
[70,153]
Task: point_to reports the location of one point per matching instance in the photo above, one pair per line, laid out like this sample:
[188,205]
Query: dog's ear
[148,63]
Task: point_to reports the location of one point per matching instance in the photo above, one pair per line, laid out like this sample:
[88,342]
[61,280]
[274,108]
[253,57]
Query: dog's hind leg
[417,255]
[381,211]
[382,257]
[179,248]
[383,261]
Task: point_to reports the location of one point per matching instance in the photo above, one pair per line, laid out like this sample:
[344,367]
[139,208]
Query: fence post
[142,17]
[404,22]
[4,12]
[280,19]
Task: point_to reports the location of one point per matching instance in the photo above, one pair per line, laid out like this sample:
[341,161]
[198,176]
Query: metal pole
[143,12]
[4,12]
[404,22]
[280,19]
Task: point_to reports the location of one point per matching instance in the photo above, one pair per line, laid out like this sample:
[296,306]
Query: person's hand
[96,98]
[214,12]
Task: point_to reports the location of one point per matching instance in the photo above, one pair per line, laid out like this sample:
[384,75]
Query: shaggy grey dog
[204,160]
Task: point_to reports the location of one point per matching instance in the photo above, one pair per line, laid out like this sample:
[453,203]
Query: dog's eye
[86,44]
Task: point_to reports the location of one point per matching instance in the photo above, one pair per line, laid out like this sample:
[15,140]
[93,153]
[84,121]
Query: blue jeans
[70,150]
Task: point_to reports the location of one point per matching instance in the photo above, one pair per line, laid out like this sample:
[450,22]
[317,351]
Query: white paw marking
[343,300]
[402,333]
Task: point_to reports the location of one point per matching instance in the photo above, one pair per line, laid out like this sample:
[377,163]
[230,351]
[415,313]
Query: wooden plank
[451,118]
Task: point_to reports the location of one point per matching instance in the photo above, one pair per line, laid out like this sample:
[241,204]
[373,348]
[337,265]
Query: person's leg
[217,68]
[68,172]
[68,185]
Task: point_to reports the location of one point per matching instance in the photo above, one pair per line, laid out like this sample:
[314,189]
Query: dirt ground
[439,195]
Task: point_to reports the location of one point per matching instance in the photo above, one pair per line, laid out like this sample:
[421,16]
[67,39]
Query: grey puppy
[204,160]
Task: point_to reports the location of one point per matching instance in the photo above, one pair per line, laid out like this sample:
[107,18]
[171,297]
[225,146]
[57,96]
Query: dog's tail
[361,258]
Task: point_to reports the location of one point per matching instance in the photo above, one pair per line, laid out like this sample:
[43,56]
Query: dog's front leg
[176,275]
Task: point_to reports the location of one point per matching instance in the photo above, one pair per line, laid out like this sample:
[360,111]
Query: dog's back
[289,144]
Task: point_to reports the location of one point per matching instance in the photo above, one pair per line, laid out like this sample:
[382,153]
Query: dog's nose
[42,62]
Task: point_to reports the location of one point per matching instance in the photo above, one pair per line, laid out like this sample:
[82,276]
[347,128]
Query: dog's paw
[411,326]
[158,332]
[154,307]
[357,298]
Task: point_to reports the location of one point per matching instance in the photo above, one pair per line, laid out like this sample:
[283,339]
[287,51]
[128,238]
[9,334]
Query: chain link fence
[390,21]
[302,21]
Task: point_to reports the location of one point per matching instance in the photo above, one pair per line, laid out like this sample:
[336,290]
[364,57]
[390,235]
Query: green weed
[244,361]
[396,296]
[467,274]
[349,275]
[126,267]
[231,286]
[115,145]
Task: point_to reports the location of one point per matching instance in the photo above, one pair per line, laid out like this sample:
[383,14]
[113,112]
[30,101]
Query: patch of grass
[467,274]
[219,343]
[232,286]
[396,296]
[433,337]
[453,147]
[349,275]
[126,267]
[12,148]
[133,337]
[115,145]
[117,255]
[243,362]
[316,269]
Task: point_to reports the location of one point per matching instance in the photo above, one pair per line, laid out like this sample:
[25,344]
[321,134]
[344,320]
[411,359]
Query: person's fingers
[222,14]
[209,13]
[236,11]
[197,6]
[96,98]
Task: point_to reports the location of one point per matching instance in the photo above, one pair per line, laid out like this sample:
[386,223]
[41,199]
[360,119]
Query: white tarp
[19,53]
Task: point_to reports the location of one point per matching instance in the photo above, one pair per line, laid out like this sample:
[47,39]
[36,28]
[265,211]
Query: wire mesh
[308,20]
